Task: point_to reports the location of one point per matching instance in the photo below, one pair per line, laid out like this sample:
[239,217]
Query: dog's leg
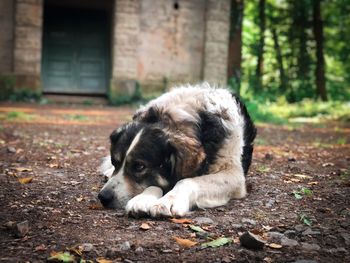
[106,169]
[205,191]
[140,205]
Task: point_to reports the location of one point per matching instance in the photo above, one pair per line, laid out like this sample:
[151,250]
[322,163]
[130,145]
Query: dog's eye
[139,167]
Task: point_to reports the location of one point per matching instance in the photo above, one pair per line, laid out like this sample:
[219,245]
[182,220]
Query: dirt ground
[298,202]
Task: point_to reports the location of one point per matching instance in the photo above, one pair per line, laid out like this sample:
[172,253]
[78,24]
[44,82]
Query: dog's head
[142,156]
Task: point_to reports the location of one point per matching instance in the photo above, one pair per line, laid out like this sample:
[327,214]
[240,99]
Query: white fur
[106,168]
[226,178]
[143,202]
[117,183]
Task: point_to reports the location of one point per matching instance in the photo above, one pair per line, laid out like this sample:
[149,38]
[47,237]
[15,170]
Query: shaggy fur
[191,147]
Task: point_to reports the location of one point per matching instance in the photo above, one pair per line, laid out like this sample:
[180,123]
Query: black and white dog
[191,147]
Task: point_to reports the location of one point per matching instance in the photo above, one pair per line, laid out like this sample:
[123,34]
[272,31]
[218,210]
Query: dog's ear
[152,115]
[116,134]
[188,155]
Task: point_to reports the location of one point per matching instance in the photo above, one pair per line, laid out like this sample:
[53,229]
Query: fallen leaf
[103,260]
[312,183]
[256,231]
[274,245]
[79,199]
[53,165]
[217,242]
[65,257]
[267,228]
[303,176]
[268,259]
[23,169]
[96,206]
[294,180]
[77,250]
[185,242]
[41,247]
[181,220]
[145,226]
[196,228]
[25,180]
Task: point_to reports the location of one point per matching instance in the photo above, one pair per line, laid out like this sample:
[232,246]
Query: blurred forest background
[287,51]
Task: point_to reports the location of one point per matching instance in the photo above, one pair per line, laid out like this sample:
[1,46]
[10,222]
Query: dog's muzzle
[106,198]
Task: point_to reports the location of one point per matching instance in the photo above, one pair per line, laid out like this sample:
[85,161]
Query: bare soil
[59,149]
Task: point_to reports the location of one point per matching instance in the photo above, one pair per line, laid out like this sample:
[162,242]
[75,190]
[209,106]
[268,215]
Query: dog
[190,147]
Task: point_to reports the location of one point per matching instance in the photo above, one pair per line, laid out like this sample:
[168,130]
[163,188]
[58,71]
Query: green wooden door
[75,51]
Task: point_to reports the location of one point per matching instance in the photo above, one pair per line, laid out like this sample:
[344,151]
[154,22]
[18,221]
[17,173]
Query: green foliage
[305,219]
[135,98]
[76,117]
[16,115]
[299,194]
[7,84]
[25,95]
[217,242]
[292,22]
[282,112]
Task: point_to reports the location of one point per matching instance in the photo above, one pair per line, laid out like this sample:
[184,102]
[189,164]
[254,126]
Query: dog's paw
[140,205]
[170,206]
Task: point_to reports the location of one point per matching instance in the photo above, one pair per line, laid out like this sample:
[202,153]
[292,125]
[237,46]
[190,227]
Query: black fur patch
[212,134]
[120,142]
[249,134]
[154,151]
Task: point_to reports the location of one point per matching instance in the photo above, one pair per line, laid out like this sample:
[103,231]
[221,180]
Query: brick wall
[124,46]
[171,42]
[6,35]
[216,41]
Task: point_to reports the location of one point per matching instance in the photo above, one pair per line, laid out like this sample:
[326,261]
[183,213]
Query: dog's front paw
[140,205]
[170,206]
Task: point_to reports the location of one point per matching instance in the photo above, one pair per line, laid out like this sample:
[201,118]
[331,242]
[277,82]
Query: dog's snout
[105,197]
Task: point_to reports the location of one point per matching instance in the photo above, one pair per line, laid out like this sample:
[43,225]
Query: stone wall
[27,49]
[124,47]
[6,36]
[171,42]
[216,41]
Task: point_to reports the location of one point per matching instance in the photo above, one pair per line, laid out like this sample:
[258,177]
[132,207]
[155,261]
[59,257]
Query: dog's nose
[105,197]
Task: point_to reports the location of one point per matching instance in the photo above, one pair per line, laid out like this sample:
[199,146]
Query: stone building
[105,46]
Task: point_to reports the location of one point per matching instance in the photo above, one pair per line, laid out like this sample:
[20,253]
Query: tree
[235,47]
[318,33]
[260,63]
[279,58]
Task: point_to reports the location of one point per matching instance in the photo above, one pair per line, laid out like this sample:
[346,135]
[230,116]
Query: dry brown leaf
[103,260]
[145,226]
[312,183]
[274,245]
[41,247]
[185,242]
[294,180]
[23,169]
[267,228]
[268,259]
[181,220]
[303,176]
[96,206]
[25,180]
[53,165]
[76,250]
[257,231]
[236,240]
[207,228]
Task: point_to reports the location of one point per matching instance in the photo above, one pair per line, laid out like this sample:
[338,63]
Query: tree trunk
[235,45]
[262,23]
[279,58]
[318,32]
